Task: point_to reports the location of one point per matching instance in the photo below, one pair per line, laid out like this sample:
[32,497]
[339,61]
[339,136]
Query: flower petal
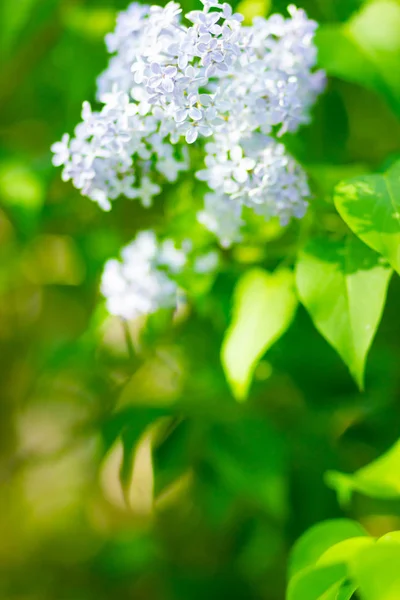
[168,85]
[217,56]
[155,68]
[181,115]
[195,114]
[170,71]
[205,99]
[191,135]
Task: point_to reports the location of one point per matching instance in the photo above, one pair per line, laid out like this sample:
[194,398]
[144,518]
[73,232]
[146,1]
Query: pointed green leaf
[379,479]
[264,305]
[370,205]
[134,424]
[343,286]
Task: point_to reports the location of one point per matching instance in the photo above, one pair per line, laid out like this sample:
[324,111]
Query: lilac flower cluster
[137,285]
[144,280]
[170,84]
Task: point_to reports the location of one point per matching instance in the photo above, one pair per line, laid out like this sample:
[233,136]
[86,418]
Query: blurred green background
[216,492]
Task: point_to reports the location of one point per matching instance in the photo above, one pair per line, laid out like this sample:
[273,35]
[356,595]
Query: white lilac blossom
[144,280]
[210,80]
[140,283]
[260,175]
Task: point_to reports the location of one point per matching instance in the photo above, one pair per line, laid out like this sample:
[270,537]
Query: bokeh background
[214,493]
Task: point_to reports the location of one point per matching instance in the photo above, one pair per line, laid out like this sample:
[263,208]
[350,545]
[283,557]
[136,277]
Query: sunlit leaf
[376,571]
[309,583]
[339,591]
[263,307]
[392,537]
[315,542]
[381,44]
[343,286]
[370,205]
[364,53]
[319,560]
[379,479]
[344,551]
[316,583]
[339,55]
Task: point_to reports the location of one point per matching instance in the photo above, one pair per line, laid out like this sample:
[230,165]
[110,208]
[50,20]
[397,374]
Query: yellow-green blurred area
[139,476]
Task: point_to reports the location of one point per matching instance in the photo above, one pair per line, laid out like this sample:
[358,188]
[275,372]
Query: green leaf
[370,206]
[343,286]
[339,55]
[171,453]
[392,537]
[381,43]
[318,567]
[340,591]
[317,583]
[263,307]
[315,542]
[366,50]
[376,571]
[326,562]
[131,425]
[379,479]
[344,551]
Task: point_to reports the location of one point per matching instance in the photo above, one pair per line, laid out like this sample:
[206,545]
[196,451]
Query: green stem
[128,340]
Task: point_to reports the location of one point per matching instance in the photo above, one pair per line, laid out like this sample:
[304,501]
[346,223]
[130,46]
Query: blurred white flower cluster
[171,83]
[143,281]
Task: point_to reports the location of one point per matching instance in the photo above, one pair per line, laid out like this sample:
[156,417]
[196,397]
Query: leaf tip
[342,484]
